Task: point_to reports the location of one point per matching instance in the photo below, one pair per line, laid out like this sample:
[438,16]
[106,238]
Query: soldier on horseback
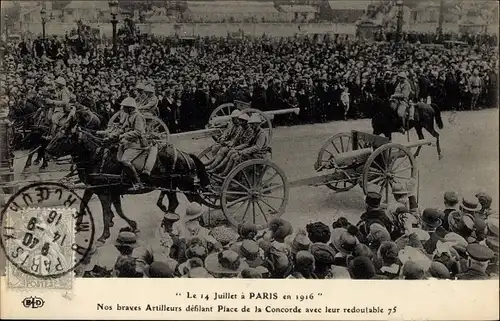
[132,140]
[62,110]
[400,101]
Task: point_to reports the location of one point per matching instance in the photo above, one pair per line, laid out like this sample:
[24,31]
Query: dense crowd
[328,79]
[394,241]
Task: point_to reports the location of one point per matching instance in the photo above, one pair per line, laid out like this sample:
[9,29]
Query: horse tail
[437,116]
[200,170]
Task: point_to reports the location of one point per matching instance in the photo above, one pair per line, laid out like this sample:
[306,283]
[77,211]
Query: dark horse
[386,121]
[102,173]
[37,138]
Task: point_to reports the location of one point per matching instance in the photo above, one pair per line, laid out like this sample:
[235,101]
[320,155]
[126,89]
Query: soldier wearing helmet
[132,140]
[401,99]
[62,111]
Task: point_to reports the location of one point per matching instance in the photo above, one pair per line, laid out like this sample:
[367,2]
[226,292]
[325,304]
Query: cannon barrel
[270,114]
[352,158]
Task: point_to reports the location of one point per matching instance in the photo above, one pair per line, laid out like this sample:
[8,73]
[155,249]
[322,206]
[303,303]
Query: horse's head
[73,140]
[63,143]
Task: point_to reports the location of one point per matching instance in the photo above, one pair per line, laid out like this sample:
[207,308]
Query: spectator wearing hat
[485,201]
[277,261]
[451,205]
[412,271]
[246,231]
[438,270]
[324,258]
[362,268]
[462,224]
[251,253]
[387,254]
[470,205]
[343,242]
[492,226]
[304,266]
[251,273]
[479,257]
[126,267]
[318,232]
[159,270]
[298,242]
[225,264]
[492,243]
[374,214]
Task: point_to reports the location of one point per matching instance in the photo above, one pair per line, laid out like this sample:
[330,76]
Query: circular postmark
[46,230]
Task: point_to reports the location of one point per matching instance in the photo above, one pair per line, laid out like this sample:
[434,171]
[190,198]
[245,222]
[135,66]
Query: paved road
[470,147]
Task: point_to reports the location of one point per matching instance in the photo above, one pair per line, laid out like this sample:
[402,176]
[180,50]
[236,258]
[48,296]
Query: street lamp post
[440,21]
[43,14]
[399,24]
[113,8]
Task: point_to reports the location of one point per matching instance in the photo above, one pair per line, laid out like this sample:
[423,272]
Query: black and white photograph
[248,139]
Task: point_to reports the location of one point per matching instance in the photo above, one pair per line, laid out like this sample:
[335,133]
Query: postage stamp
[46,232]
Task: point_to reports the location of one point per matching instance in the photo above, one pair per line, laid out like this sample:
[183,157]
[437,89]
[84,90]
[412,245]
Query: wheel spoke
[236,193]
[254,175]
[245,213]
[246,177]
[253,211]
[402,177]
[272,208]
[402,170]
[238,209]
[376,180]
[269,196]
[381,169]
[271,188]
[241,185]
[342,144]
[263,213]
[241,199]
[270,179]
[401,163]
[334,146]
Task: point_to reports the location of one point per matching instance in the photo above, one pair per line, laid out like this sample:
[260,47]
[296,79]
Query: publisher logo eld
[33,302]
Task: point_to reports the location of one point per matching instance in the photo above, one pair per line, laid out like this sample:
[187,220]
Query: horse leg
[87,195]
[28,160]
[107,216]
[173,203]
[435,134]
[421,136]
[117,203]
[41,154]
[159,202]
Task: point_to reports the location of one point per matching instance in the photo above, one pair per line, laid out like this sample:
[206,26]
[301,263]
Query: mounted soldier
[62,110]
[400,101]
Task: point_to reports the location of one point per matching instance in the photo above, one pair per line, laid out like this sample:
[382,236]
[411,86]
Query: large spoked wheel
[155,126]
[266,123]
[389,164]
[255,191]
[334,146]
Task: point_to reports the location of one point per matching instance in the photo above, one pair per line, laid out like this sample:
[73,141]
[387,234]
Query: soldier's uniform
[62,109]
[149,102]
[132,141]
[475,84]
[401,95]
[479,257]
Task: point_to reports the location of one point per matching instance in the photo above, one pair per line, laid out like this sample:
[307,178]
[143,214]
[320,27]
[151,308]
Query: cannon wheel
[390,163]
[154,125]
[335,145]
[256,191]
[266,124]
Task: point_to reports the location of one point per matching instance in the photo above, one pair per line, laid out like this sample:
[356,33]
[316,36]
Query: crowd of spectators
[194,76]
[395,241]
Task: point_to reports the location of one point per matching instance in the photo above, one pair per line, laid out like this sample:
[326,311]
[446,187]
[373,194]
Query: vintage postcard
[325,160]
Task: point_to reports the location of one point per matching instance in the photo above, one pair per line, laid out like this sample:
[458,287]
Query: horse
[386,121]
[38,140]
[99,169]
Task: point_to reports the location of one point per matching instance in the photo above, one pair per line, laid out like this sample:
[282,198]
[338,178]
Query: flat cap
[479,252]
